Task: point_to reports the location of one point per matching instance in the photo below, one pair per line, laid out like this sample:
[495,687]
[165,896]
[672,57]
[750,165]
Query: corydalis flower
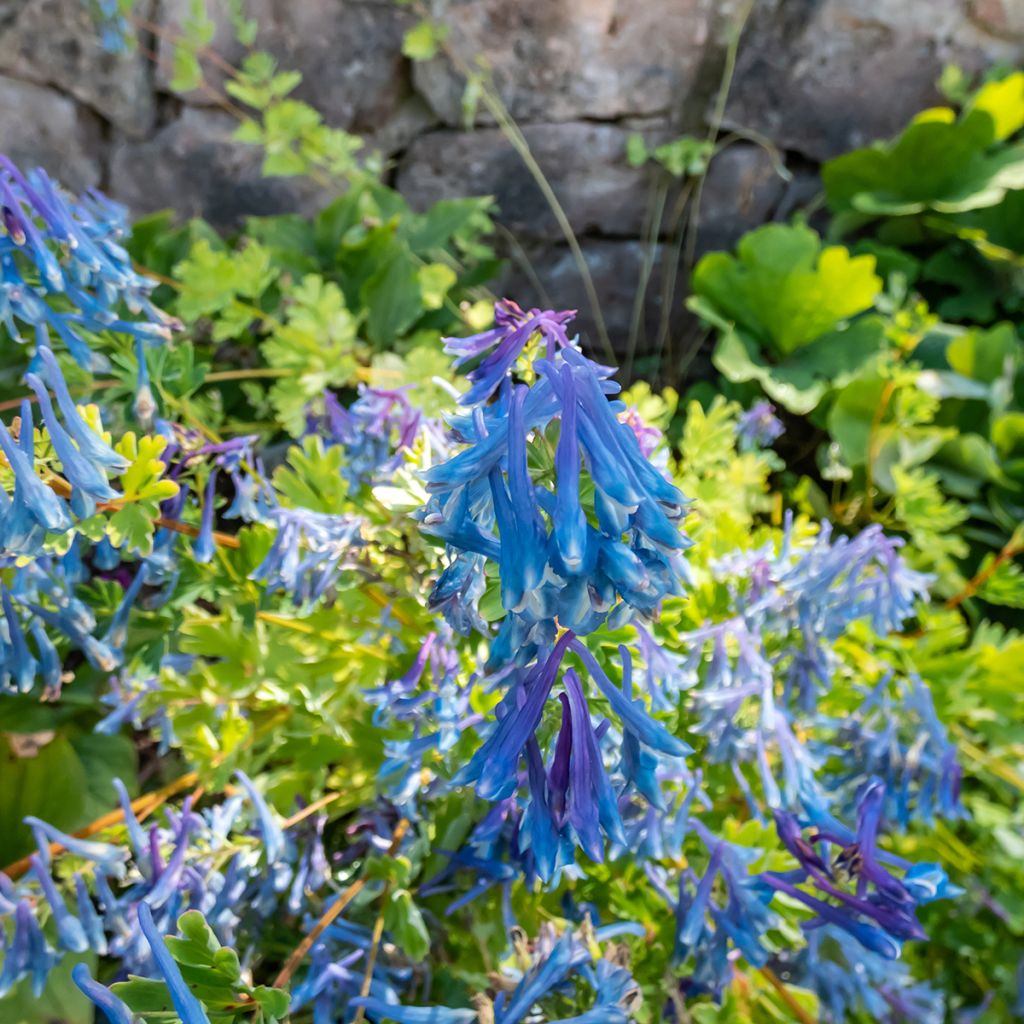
[308,552]
[374,430]
[571,799]
[881,912]
[758,427]
[502,345]
[193,861]
[58,245]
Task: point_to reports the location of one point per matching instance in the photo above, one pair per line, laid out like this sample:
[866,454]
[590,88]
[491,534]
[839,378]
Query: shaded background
[813,78]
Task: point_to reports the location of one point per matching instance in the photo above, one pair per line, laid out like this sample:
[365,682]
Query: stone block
[55,43]
[41,127]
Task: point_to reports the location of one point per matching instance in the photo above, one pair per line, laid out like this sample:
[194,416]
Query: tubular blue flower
[100,656]
[537,982]
[167,877]
[633,714]
[188,1008]
[92,446]
[73,246]
[270,831]
[69,929]
[375,431]
[109,859]
[570,523]
[17,662]
[204,547]
[308,552]
[377,1009]
[88,480]
[114,1008]
[515,327]
[92,923]
[117,632]
[870,937]
[592,805]
[494,767]
[39,501]
[27,954]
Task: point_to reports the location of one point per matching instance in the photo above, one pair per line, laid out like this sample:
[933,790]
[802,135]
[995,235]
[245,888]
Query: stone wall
[814,77]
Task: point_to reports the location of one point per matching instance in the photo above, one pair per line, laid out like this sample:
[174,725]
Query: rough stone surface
[585,164]
[561,60]
[550,276]
[40,127]
[53,42]
[349,53]
[194,167]
[814,78]
[824,76]
[742,189]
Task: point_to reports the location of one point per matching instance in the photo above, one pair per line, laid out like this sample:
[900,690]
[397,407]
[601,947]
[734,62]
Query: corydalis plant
[554,489]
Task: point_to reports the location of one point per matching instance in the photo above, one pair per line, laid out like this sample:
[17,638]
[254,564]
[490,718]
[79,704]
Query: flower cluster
[121,900]
[85,459]
[375,431]
[792,604]
[584,530]
[57,246]
[881,912]
[40,613]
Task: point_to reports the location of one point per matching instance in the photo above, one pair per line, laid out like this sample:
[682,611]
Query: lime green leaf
[940,162]
[436,279]
[784,288]
[422,40]
[636,150]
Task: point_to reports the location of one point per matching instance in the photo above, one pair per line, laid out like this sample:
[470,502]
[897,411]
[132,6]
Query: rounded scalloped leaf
[784,288]
[800,382]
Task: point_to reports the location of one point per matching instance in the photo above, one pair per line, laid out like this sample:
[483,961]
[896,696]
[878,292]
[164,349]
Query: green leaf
[940,162]
[636,150]
[43,775]
[800,382]
[436,279]
[784,288]
[1003,586]
[986,355]
[213,278]
[422,40]
[403,920]
[393,299]
[312,478]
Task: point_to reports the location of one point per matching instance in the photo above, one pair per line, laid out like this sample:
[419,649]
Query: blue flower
[758,427]
[377,1009]
[32,498]
[114,1008]
[188,1008]
[73,245]
[70,932]
[374,431]
[507,340]
[27,953]
[308,551]
[554,563]
[204,547]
